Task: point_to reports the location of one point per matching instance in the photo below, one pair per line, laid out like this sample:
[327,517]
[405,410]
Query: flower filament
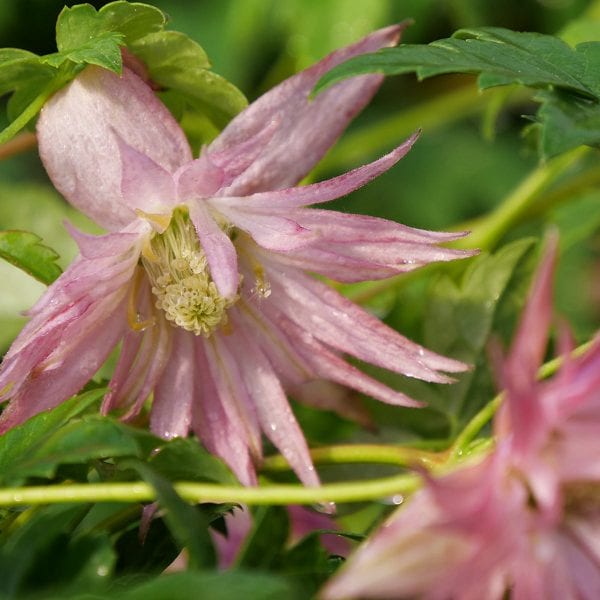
[181,281]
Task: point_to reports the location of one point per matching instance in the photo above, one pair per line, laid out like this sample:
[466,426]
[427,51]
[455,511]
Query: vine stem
[277,494]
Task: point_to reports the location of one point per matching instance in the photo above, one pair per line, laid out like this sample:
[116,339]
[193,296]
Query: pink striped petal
[270,232]
[145,185]
[212,425]
[341,324]
[272,407]
[174,393]
[79,361]
[198,179]
[220,252]
[324,191]
[79,149]
[308,128]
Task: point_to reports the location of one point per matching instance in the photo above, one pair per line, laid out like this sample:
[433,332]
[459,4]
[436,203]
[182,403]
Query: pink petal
[212,425]
[79,361]
[80,151]
[220,252]
[225,370]
[341,324]
[102,246]
[270,232]
[308,128]
[272,407]
[145,185]
[324,191]
[174,393]
[198,179]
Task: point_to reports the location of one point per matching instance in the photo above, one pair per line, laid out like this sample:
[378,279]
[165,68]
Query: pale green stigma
[181,281]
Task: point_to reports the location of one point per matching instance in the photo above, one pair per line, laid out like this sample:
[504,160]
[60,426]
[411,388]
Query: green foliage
[570,113]
[85,36]
[24,250]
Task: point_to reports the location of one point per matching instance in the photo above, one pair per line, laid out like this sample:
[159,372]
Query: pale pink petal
[272,407]
[220,252]
[308,128]
[269,231]
[341,324]
[174,393]
[226,373]
[212,425]
[324,191]
[75,135]
[198,179]
[329,365]
[79,361]
[145,185]
[102,246]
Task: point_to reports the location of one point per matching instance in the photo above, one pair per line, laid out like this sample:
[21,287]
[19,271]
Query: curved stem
[356,491]
[400,456]
[492,228]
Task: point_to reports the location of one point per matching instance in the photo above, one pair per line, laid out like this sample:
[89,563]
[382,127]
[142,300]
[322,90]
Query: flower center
[181,281]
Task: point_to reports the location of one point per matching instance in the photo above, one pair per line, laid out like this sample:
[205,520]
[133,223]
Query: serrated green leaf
[102,49]
[131,19]
[499,56]
[567,77]
[22,441]
[24,250]
[19,68]
[180,65]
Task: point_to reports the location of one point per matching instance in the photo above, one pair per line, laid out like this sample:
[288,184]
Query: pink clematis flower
[202,275]
[525,521]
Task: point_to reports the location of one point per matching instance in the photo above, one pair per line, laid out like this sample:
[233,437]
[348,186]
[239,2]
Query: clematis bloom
[203,274]
[524,522]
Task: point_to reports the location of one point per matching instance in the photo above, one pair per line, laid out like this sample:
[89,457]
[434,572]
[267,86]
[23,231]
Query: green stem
[356,491]
[34,107]
[492,228]
[400,456]
[480,420]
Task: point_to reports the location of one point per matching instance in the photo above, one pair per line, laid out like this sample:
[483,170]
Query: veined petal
[272,407]
[341,324]
[80,359]
[145,185]
[198,179]
[80,151]
[221,435]
[307,128]
[102,246]
[174,393]
[323,191]
[220,252]
[271,232]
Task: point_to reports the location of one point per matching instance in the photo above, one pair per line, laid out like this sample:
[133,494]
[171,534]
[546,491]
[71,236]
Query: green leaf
[461,318]
[21,548]
[567,77]
[263,547]
[186,460]
[180,65]
[22,442]
[229,585]
[132,20]
[24,250]
[19,68]
[188,526]
[498,55]
[78,442]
